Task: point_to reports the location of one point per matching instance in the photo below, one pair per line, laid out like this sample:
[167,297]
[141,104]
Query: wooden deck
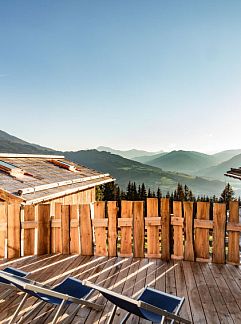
[212,292]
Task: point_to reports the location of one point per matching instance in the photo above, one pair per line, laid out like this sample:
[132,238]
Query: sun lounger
[152,305]
[69,291]
[5,282]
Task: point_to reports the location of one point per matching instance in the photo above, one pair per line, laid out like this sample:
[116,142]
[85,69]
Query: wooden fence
[157,229]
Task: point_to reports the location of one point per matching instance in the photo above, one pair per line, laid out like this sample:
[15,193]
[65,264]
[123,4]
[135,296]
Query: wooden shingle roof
[234,173]
[42,176]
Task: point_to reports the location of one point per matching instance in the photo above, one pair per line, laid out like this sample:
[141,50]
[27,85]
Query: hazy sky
[145,74]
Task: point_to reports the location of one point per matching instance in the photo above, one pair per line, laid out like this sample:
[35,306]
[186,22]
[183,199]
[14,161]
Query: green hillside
[125,170]
[217,172]
[183,161]
[226,155]
[129,154]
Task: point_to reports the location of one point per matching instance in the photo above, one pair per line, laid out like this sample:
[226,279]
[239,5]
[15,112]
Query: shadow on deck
[212,292]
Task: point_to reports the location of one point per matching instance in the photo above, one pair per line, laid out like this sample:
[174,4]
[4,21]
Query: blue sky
[146,74]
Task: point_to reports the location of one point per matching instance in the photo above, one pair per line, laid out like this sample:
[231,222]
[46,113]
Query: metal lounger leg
[125,318]
[112,315]
[178,309]
[58,311]
[35,307]
[18,309]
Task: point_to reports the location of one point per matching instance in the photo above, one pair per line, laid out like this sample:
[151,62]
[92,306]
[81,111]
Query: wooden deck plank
[193,295]
[41,315]
[226,294]
[212,292]
[182,291]
[124,276]
[12,300]
[218,301]
[206,299]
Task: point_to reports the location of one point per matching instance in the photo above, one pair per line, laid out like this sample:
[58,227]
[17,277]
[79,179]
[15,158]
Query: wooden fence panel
[86,234]
[188,231]
[112,228]
[125,223]
[29,233]
[153,223]
[233,236]
[3,229]
[56,237]
[14,231]
[201,242]
[177,222]
[65,228]
[219,222]
[74,229]
[100,223]
[43,229]
[165,232]
[138,233]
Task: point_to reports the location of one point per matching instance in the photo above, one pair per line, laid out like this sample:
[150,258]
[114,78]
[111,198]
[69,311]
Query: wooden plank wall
[106,229]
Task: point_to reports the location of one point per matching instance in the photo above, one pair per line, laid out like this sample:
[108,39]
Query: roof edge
[13,155]
[67,192]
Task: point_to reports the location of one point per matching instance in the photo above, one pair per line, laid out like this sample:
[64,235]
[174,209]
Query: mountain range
[125,170]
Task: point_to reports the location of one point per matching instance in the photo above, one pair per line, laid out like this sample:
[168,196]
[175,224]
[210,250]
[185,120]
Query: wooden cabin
[234,173]
[31,179]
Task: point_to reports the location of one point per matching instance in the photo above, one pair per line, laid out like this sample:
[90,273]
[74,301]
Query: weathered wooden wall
[131,229]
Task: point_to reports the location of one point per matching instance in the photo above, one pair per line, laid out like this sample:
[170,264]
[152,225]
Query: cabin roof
[37,178]
[234,173]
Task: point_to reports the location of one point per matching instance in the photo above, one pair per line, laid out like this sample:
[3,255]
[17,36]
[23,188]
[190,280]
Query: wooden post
[165,232]
[65,228]
[126,223]
[112,228]
[177,222]
[74,229]
[3,229]
[56,235]
[86,237]
[100,223]
[29,233]
[14,231]
[233,236]
[202,234]
[43,229]
[219,222]
[153,224]
[188,231]
[139,234]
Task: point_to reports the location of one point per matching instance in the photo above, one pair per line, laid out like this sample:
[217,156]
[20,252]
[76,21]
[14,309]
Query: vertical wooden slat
[112,228]
[233,237]
[126,231]
[138,234]
[74,230]
[56,237]
[165,232]
[43,229]
[153,245]
[65,228]
[86,237]
[3,229]
[188,230]
[201,242]
[219,222]
[177,231]
[29,234]
[100,231]
[14,231]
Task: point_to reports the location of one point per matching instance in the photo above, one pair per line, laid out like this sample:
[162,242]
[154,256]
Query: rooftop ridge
[43,156]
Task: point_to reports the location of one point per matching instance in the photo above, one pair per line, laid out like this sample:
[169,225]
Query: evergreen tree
[99,193]
[143,192]
[159,193]
[149,195]
[228,194]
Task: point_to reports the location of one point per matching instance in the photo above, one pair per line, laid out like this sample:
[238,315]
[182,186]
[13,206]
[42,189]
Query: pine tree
[228,194]
[143,192]
[159,193]
[99,193]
